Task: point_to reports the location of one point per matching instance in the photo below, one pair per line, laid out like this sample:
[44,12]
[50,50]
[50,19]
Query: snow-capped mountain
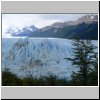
[26,31]
[88,18]
[85,27]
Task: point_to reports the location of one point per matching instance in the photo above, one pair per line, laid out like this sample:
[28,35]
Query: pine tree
[83,58]
[93,75]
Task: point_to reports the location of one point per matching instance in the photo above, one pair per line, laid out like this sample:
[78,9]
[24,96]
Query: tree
[84,59]
[93,75]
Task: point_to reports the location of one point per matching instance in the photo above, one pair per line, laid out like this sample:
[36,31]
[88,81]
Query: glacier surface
[38,56]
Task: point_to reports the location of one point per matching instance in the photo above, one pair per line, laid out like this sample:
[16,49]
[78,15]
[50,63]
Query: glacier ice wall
[38,56]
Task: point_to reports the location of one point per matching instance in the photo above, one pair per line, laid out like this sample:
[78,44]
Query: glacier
[38,56]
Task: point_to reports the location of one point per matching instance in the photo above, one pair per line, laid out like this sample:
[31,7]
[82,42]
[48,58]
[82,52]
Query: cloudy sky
[38,20]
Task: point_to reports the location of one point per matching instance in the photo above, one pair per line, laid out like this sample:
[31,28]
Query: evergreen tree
[93,75]
[84,59]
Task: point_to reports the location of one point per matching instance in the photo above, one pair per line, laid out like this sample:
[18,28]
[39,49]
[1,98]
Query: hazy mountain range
[85,27]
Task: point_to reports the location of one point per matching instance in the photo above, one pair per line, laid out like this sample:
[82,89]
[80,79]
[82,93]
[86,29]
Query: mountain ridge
[85,27]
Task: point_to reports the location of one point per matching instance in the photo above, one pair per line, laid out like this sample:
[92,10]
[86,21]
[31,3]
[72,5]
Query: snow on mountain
[88,18]
[85,27]
[26,31]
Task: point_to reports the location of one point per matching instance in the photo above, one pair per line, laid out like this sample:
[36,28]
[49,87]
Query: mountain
[85,27]
[26,31]
[89,18]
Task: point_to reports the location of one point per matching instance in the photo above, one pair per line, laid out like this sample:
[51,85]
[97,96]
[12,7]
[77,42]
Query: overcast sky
[38,20]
